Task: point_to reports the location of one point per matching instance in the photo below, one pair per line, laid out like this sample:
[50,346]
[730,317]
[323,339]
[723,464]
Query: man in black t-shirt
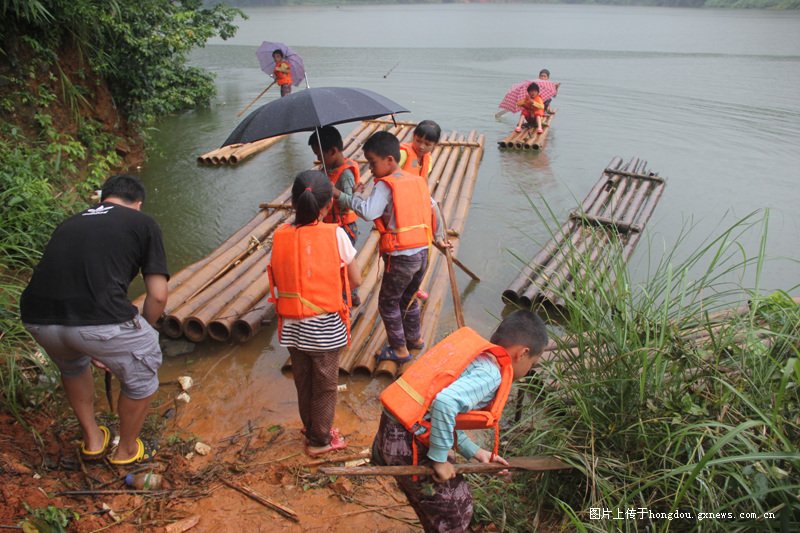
[76,307]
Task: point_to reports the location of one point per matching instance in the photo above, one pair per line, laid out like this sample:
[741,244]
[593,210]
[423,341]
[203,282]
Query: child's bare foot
[337,443]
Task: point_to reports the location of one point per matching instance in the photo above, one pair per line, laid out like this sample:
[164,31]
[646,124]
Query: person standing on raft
[344,174]
[462,382]
[407,218]
[312,266]
[282,73]
[415,157]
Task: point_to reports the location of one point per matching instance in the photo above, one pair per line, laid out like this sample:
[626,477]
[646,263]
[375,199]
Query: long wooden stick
[456,261]
[250,493]
[538,464]
[453,285]
[255,100]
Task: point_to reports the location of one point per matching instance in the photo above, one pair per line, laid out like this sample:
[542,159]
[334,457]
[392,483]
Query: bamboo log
[173,323]
[187,272]
[219,329]
[226,259]
[536,464]
[249,149]
[539,139]
[246,326]
[195,326]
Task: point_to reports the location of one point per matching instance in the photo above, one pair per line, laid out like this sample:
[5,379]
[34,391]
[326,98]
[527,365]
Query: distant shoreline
[717,4]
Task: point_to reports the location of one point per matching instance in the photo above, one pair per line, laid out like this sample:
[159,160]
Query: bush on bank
[665,408]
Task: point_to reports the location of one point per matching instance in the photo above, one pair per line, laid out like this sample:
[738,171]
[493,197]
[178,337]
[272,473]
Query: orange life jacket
[282,78]
[413,214]
[410,396]
[337,215]
[306,274]
[412,164]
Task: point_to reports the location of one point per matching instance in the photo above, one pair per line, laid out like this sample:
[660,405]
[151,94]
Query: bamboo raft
[236,153]
[610,220]
[223,296]
[528,139]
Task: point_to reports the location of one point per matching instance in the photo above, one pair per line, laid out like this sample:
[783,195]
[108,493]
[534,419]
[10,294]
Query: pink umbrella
[519,91]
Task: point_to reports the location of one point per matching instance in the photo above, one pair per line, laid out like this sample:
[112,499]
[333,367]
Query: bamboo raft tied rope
[608,224]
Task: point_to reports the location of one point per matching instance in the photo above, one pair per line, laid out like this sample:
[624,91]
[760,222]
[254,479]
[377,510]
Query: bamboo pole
[240,113]
[247,325]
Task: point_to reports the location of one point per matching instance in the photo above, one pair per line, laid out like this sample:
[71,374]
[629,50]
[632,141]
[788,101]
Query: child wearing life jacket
[312,266]
[343,173]
[532,109]
[282,73]
[415,157]
[401,207]
[461,383]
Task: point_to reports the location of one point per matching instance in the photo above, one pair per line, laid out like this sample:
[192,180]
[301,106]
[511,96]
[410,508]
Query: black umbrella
[310,109]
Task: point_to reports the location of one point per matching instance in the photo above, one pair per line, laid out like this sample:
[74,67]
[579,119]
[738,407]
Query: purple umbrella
[264,55]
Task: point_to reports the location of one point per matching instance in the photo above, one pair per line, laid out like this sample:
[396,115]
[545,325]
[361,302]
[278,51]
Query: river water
[707,97]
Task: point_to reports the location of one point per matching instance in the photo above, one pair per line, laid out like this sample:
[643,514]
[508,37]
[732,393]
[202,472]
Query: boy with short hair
[282,73]
[532,109]
[415,157]
[484,385]
[406,216]
[344,175]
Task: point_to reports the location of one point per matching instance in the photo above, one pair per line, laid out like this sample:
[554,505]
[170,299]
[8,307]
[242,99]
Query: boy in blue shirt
[522,336]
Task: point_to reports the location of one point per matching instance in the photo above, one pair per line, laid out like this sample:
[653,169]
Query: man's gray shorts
[130,350]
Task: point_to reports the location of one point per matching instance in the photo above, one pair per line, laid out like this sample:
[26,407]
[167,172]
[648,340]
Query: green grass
[653,421]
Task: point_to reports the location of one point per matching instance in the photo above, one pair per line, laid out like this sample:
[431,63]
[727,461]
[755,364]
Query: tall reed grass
[667,408]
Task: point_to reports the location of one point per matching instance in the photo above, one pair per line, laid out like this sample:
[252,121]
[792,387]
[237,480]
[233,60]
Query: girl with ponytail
[312,266]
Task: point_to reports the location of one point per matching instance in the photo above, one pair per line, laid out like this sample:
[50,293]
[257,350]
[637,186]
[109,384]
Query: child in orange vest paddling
[420,419]
[401,207]
[282,73]
[312,266]
[415,157]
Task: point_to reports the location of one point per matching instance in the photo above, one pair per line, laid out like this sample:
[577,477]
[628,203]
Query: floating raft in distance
[236,153]
[528,139]
[610,221]
[223,296]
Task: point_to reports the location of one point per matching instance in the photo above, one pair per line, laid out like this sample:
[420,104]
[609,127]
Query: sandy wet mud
[244,408]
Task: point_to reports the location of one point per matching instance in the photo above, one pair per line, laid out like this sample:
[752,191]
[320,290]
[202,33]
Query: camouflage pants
[397,302]
[441,507]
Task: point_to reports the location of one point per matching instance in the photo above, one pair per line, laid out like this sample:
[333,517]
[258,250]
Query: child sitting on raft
[415,157]
[401,207]
[312,266]
[532,109]
[422,425]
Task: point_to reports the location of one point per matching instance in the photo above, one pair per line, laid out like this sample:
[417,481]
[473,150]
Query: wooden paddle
[240,113]
[532,464]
